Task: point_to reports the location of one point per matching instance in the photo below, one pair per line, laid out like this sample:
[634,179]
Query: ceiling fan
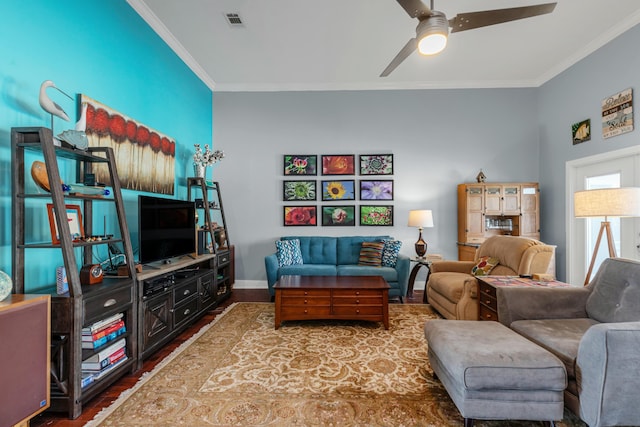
[433,27]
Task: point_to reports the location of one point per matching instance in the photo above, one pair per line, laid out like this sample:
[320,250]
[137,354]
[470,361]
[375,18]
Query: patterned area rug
[240,371]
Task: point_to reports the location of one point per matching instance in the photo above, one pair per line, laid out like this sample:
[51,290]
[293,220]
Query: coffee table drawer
[356,292]
[305,300]
[301,311]
[359,310]
[358,300]
[306,292]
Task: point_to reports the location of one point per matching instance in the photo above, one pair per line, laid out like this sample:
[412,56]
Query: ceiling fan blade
[415,8]
[407,50]
[471,20]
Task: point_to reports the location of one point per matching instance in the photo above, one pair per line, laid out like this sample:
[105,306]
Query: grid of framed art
[350,193]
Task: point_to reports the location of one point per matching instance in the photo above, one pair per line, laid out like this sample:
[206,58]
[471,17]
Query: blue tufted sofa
[330,256]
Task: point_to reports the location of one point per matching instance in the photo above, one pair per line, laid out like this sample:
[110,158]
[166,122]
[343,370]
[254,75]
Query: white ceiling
[345,44]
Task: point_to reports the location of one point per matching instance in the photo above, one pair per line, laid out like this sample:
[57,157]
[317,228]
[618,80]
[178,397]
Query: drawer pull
[109,302]
[305,301]
[306,311]
[187,311]
[488,316]
[306,293]
[357,301]
[357,293]
[488,302]
[186,292]
[357,311]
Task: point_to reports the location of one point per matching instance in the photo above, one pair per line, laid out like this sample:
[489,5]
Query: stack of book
[110,348]
[103,331]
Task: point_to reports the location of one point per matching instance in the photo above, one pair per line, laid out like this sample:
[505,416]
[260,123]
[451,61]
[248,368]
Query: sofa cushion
[307,270]
[348,248]
[389,274]
[559,336]
[484,266]
[317,250]
[390,252]
[616,292]
[288,252]
[371,254]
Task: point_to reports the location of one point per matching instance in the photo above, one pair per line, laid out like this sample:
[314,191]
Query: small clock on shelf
[91,274]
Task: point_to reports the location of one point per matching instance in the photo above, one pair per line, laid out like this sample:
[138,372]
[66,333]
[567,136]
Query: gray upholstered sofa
[595,332]
[338,256]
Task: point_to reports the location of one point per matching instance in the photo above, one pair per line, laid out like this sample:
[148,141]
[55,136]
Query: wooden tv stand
[332,297]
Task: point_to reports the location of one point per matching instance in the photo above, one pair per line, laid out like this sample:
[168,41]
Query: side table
[421,262]
[488,294]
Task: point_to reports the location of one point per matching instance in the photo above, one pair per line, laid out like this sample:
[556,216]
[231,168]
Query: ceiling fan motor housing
[436,23]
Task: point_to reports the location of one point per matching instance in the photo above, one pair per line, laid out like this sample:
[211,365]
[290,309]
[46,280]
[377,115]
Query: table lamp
[606,202]
[420,219]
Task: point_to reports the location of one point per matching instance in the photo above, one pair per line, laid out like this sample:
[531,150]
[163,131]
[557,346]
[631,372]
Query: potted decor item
[203,159]
[5,285]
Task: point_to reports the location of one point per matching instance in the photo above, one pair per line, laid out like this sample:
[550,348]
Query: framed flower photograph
[338,190]
[376,190]
[74,218]
[339,215]
[376,164]
[376,215]
[339,165]
[299,190]
[300,164]
[300,216]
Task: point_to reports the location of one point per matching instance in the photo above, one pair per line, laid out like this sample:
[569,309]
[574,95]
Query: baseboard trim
[250,284]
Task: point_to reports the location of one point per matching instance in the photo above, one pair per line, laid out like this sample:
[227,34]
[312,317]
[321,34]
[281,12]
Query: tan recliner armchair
[453,291]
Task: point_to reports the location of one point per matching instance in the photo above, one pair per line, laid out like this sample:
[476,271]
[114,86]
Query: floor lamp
[606,202]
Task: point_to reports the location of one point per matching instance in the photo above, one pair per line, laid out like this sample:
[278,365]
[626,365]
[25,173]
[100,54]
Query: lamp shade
[432,34]
[420,218]
[615,202]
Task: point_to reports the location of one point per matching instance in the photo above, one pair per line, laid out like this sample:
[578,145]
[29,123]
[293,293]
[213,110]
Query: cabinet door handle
[109,302]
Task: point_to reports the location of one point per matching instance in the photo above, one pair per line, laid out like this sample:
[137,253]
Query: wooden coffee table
[332,297]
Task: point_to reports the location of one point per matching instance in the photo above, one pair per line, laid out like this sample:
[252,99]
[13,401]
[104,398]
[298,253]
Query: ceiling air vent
[234,19]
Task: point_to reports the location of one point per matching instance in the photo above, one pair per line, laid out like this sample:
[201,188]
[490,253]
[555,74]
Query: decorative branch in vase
[203,159]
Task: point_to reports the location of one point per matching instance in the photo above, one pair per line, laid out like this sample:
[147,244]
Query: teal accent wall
[105,50]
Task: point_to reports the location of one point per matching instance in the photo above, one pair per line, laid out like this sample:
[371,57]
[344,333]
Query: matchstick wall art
[145,157]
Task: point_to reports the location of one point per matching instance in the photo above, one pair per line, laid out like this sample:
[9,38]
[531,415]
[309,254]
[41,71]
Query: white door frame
[570,184]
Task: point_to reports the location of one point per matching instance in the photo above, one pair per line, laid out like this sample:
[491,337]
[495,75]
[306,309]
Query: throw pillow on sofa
[288,252]
[484,266]
[371,254]
[390,252]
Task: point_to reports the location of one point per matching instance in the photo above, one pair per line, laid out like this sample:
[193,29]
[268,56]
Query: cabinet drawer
[184,312]
[356,292]
[305,292]
[487,314]
[357,310]
[112,301]
[184,291]
[287,300]
[305,311]
[358,300]
[486,290]
[224,258]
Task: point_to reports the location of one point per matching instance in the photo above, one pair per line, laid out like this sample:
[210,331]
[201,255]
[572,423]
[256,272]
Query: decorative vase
[6,285]
[199,170]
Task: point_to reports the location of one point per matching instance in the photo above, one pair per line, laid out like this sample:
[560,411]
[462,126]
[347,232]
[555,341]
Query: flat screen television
[166,228]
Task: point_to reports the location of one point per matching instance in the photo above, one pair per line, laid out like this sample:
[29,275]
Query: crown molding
[156,24]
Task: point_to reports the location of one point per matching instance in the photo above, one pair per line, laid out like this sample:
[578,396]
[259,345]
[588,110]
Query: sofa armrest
[540,303]
[452,266]
[402,267]
[606,368]
[271,265]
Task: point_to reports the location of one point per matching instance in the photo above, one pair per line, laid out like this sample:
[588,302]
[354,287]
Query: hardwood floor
[94,406]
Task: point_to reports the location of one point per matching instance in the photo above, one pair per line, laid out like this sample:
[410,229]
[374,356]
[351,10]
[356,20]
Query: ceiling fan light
[432,33]
[432,44]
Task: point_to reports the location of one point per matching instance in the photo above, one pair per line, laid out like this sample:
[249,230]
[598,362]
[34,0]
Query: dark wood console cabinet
[173,296]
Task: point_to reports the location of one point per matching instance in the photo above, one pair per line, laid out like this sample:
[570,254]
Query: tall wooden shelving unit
[83,304]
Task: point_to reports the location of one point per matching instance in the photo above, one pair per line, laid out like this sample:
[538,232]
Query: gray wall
[571,97]
[439,138]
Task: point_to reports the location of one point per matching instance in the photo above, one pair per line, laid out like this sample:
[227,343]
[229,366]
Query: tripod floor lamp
[606,202]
